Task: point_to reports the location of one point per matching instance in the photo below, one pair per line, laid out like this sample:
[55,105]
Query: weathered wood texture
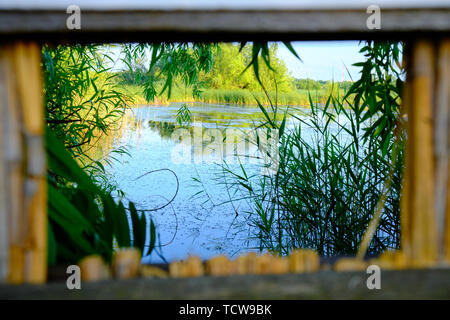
[408,284]
[4,186]
[423,214]
[425,211]
[12,159]
[221,25]
[442,148]
[23,210]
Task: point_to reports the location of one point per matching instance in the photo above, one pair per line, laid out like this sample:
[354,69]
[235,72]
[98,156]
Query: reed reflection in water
[190,224]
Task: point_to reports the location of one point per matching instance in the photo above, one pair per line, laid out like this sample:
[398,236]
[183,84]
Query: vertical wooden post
[422,188]
[4,222]
[27,60]
[442,148]
[23,163]
[405,213]
[12,163]
[424,207]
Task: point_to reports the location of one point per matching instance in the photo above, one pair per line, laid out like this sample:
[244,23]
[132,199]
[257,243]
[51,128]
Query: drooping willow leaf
[84,219]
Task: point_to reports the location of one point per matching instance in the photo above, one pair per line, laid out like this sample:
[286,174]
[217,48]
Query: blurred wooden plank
[13,164]
[441,139]
[405,284]
[4,230]
[27,60]
[421,155]
[127,25]
[24,211]
[442,147]
[405,198]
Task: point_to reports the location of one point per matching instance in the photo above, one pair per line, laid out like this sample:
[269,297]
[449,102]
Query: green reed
[327,186]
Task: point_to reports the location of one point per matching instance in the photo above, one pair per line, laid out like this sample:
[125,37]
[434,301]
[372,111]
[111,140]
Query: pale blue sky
[323,60]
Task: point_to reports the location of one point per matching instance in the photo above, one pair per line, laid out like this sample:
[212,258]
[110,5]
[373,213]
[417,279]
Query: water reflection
[189,225]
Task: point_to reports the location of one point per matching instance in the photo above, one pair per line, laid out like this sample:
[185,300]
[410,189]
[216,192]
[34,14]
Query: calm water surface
[205,223]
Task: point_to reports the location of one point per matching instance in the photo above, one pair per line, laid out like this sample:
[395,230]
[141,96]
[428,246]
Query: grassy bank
[230,96]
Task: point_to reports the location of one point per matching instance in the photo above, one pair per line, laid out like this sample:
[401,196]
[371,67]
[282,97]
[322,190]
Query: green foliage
[325,190]
[170,62]
[83,219]
[247,97]
[225,75]
[82,101]
[184,115]
[309,84]
[379,89]
[137,72]
[232,96]
[232,64]
[227,69]
[312,85]
[81,96]
[329,183]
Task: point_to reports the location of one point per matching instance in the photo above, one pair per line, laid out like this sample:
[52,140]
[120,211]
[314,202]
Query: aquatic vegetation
[324,191]
[327,189]
[85,220]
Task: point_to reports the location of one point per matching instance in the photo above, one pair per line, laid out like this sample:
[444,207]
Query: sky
[323,60]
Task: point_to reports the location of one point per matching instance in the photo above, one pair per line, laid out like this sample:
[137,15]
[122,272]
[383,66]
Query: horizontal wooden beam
[406,284]
[221,25]
[101,5]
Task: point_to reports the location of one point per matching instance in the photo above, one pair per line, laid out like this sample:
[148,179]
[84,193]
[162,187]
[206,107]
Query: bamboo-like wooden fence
[425,209]
[23,171]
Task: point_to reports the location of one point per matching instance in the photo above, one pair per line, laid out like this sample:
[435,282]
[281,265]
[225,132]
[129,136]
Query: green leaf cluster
[83,219]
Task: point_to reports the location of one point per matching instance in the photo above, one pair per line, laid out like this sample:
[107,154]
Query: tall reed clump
[82,105]
[333,168]
[226,96]
[82,102]
[327,186]
[242,96]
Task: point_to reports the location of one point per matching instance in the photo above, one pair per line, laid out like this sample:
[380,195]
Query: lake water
[205,224]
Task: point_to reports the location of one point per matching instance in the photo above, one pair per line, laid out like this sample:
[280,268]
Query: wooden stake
[4,221]
[296,261]
[350,264]
[240,265]
[12,162]
[263,264]
[27,57]
[94,268]
[421,185]
[218,266]
[126,263]
[279,265]
[442,146]
[177,270]
[153,272]
[23,163]
[194,267]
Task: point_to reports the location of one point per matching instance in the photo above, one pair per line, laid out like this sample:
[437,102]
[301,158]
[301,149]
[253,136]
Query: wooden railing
[425,209]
